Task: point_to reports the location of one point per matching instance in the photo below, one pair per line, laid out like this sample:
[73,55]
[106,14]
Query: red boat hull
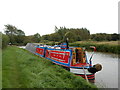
[91,77]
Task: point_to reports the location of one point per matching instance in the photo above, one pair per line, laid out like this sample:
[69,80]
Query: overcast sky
[41,16]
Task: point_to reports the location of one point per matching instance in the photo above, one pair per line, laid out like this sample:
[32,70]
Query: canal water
[108,76]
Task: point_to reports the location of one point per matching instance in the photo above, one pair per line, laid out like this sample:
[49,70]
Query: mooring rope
[85,74]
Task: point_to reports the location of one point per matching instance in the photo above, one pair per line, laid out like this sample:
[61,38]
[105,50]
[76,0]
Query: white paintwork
[79,71]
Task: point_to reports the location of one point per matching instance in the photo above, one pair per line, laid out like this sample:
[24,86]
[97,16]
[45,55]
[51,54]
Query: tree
[5,40]
[74,34]
[20,33]
[115,36]
[56,29]
[54,37]
[16,35]
[19,37]
[105,37]
[71,36]
[36,37]
[28,39]
[45,37]
[11,30]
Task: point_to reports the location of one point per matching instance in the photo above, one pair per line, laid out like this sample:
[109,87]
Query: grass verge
[0,68]
[22,69]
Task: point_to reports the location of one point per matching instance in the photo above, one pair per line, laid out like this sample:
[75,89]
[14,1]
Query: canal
[108,76]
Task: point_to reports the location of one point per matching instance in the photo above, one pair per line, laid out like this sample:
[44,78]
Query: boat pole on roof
[92,54]
[66,39]
[67,47]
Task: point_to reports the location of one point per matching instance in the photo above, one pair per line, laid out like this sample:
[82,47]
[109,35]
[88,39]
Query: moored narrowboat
[73,59]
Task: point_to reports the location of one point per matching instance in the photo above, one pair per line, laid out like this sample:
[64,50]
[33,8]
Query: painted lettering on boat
[40,51]
[60,56]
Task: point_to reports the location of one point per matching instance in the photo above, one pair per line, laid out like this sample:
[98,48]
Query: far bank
[104,46]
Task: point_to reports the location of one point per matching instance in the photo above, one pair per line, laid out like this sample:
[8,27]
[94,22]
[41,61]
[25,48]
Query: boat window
[80,55]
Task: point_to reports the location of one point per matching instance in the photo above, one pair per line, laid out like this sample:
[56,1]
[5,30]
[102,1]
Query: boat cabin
[78,56]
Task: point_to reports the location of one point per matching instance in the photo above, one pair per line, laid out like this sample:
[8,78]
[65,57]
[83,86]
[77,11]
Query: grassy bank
[22,69]
[110,46]
[0,68]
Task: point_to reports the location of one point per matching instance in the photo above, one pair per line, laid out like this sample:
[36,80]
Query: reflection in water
[108,76]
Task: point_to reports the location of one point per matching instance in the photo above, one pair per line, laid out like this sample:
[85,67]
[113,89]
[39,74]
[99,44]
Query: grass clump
[22,69]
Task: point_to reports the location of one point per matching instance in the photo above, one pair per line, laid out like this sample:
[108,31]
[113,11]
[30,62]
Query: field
[100,42]
[22,69]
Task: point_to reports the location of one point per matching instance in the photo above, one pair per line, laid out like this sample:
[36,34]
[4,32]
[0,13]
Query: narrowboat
[74,59]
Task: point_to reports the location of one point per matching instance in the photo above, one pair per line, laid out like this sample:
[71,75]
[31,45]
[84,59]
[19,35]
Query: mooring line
[85,74]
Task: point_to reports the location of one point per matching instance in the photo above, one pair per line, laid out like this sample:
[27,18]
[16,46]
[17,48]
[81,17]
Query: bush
[5,41]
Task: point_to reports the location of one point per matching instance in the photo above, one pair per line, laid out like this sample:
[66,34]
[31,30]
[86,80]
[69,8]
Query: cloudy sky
[41,16]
